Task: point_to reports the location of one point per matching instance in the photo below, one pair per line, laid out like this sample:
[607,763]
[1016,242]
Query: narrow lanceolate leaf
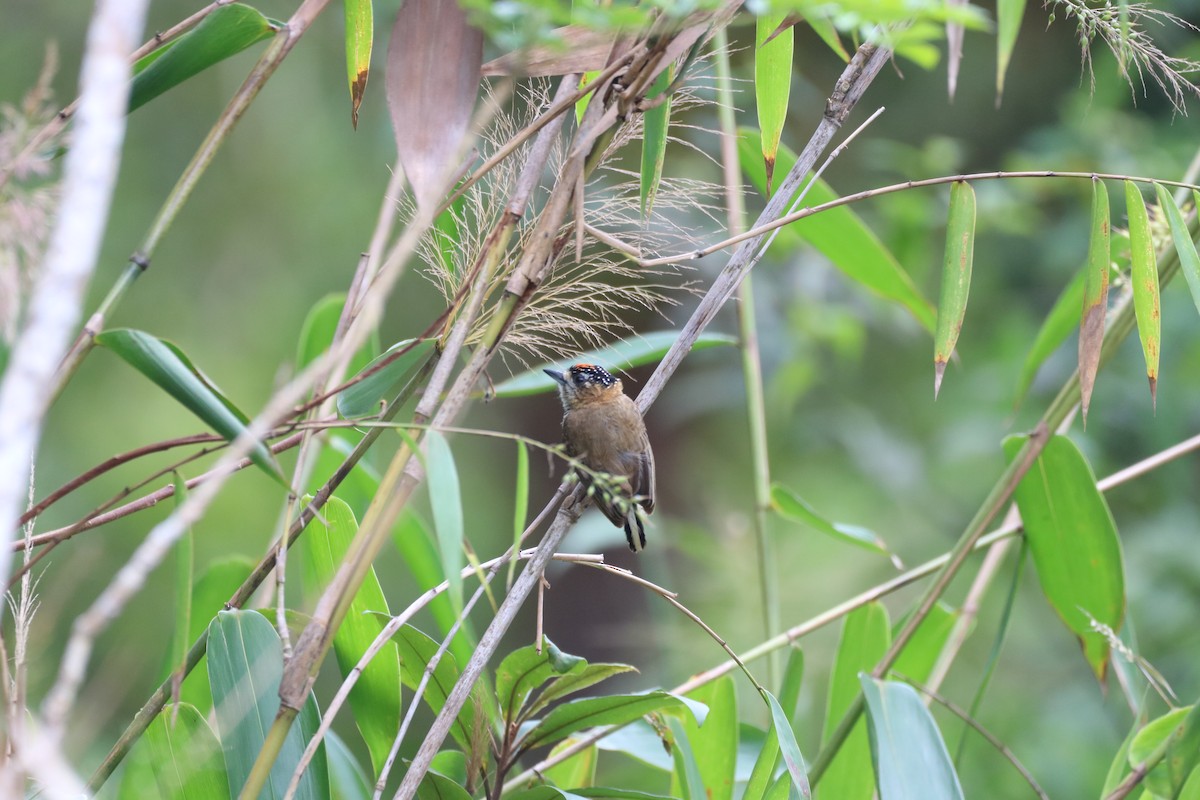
[209,594]
[1062,319]
[360,32]
[1181,237]
[383,376]
[347,781]
[1095,295]
[245,665]
[177,758]
[432,78]
[445,498]
[616,709]
[520,505]
[715,744]
[685,778]
[173,372]
[416,651]
[1008,24]
[1074,543]
[792,506]
[1179,732]
[227,31]
[654,139]
[866,635]
[772,84]
[525,669]
[906,746]
[956,277]
[1144,277]
[788,748]
[375,698]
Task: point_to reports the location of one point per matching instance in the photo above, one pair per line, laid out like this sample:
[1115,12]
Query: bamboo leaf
[1095,295]
[644,349]
[177,758]
[185,577]
[432,78]
[520,506]
[685,778]
[225,32]
[772,84]
[320,325]
[617,709]
[419,553]
[956,277]
[445,498]
[921,653]
[906,746]
[173,372]
[1185,246]
[1144,278]
[210,592]
[788,747]
[347,781]
[525,669]
[577,772]
[1009,14]
[576,681]
[791,506]
[360,34]
[1074,543]
[654,139]
[416,651]
[381,382]
[715,744]
[1062,319]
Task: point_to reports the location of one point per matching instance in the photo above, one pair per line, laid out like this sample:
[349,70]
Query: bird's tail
[637,541]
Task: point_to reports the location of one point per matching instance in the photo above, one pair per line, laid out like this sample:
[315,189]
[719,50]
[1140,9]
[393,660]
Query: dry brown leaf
[578,50]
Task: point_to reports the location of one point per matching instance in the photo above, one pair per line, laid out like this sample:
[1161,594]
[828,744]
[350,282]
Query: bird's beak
[558,376]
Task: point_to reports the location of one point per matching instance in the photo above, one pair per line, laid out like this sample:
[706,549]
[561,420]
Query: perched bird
[603,429]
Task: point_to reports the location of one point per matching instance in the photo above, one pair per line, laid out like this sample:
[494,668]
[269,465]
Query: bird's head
[585,383]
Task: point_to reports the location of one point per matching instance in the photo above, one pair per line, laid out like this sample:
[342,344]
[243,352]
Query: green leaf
[245,665]
[360,21]
[576,681]
[759,783]
[1056,327]
[1119,767]
[383,377]
[317,332]
[1144,279]
[614,793]
[185,569]
[788,747]
[419,554]
[436,786]
[225,32]
[772,84]
[956,277]
[866,636]
[641,742]
[1095,295]
[524,670]
[840,235]
[906,746]
[686,775]
[173,372]
[1008,24]
[520,506]
[416,651]
[347,781]
[446,500]
[793,677]
[654,139]
[645,349]
[714,745]
[577,772]
[921,653]
[791,506]
[177,758]
[1179,732]
[209,594]
[1189,260]
[823,27]
[1074,543]
[616,709]
[375,698]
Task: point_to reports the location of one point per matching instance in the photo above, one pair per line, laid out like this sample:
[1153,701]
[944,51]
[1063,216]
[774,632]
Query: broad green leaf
[654,139]
[375,698]
[764,768]
[618,709]
[245,665]
[906,746]
[543,792]
[921,653]
[576,681]
[347,781]
[185,577]
[1074,543]
[436,786]
[416,651]
[317,332]
[520,506]
[1144,279]
[445,498]
[524,670]
[772,84]
[758,785]
[793,507]
[686,780]
[782,789]
[383,376]
[640,742]
[577,772]
[225,32]
[956,277]
[714,745]
[1008,24]
[788,748]
[1095,295]
[1189,260]
[1062,319]
[615,793]
[173,372]
[866,636]
[360,22]
[211,591]
[1119,768]
[177,758]
[1179,732]
[840,235]
[644,349]
[419,554]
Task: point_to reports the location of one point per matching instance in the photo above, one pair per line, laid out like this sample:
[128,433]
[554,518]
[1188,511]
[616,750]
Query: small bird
[604,430]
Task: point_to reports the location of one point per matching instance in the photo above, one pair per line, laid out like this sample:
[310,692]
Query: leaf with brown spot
[576,49]
[360,32]
[1144,277]
[772,85]
[1095,295]
[432,80]
[956,277]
